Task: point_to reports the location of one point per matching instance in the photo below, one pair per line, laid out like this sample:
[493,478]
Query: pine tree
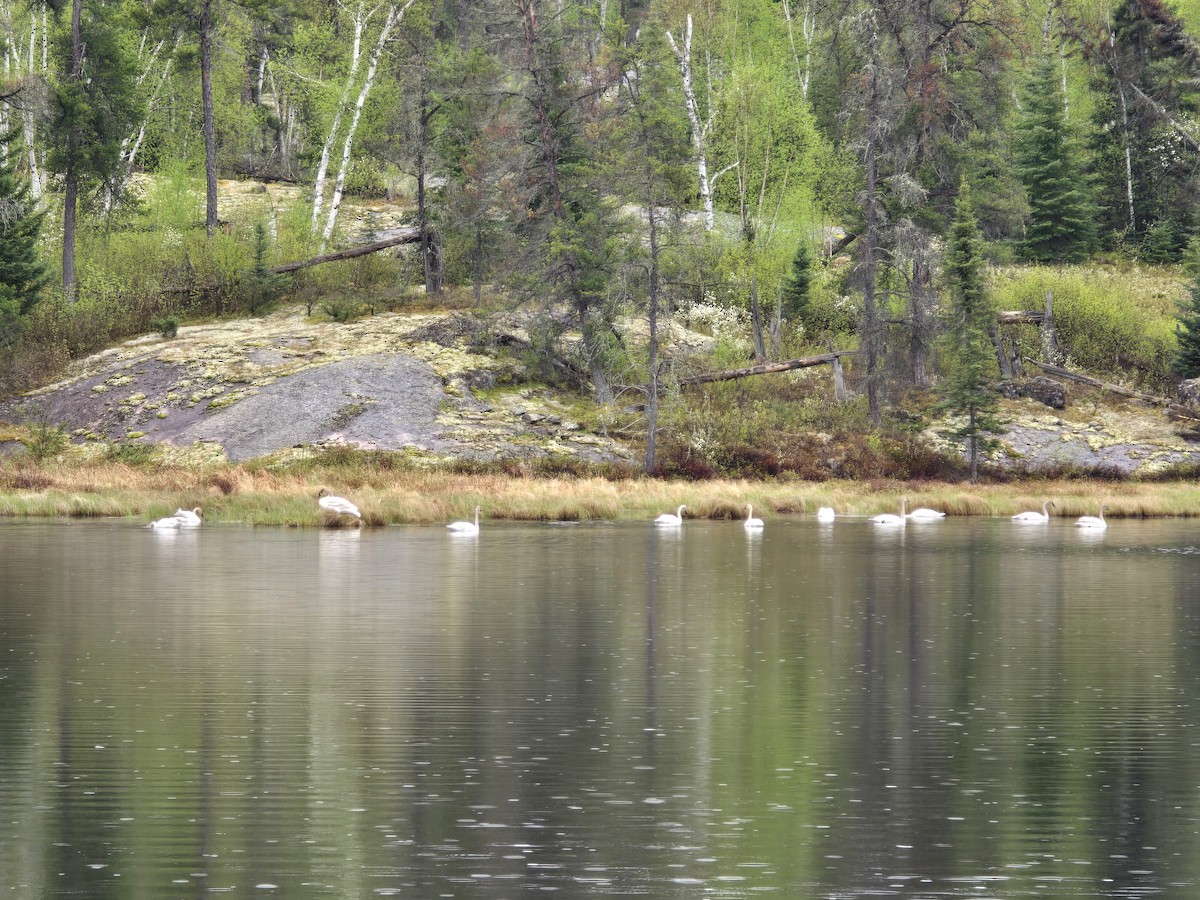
[23,272]
[1062,215]
[1187,357]
[967,390]
[796,288]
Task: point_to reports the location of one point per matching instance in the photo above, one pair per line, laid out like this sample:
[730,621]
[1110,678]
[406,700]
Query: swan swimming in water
[336,505]
[1092,521]
[466,527]
[671,519]
[189,518]
[826,514]
[925,513]
[165,524]
[891,518]
[751,523]
[1035,517]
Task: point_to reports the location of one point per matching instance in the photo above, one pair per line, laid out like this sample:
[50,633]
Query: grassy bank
[261,496]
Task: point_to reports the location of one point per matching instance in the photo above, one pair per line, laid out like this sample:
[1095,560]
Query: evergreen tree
[1187,357]
[967,390]
[1062,217]
[796,288]
[22,270]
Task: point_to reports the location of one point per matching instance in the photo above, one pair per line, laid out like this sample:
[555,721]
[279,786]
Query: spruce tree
[1062,216]
[796,288]
[23,272]
[1187,357]
[967,390]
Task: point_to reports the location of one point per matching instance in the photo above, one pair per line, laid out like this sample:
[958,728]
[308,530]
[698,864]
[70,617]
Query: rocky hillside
[255,387]
[434,384]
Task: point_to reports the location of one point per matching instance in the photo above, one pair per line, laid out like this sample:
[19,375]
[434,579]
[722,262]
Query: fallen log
[1176,409]
[767,368]
[1020,317]
[405,236]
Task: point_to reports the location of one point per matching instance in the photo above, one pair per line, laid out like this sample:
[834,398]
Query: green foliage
[341,309]
[1108,319]
[796,287]
[967,389]
[263,287]
[45,440]
[1187,358]
[1061,226]
[167,326]
[23,271]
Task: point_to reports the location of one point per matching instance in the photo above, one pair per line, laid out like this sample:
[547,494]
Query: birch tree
[360,17]
[394,13]
[700,126]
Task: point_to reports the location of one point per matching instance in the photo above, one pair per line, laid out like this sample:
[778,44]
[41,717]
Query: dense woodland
[878,176]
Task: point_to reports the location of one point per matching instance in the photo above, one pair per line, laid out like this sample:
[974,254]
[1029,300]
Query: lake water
[963,709]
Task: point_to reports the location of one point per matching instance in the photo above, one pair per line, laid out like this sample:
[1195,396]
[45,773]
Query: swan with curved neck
[891,518]
[671,519]
[189,518]
[1092,521]
[751,523]
[336,505]
[1035,517]
[466,527]
[924,513]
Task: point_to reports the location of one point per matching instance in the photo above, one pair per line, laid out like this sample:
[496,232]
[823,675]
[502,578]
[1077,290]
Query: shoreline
[261,496]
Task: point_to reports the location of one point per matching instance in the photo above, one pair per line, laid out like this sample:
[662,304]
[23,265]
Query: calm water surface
[963,709]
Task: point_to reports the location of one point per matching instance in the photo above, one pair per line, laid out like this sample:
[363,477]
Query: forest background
[793,177]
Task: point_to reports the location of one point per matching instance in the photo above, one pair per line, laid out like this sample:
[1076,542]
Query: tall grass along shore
[259,495]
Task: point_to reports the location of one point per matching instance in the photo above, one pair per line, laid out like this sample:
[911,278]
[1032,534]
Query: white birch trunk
[394,15]
[262,74]
[1128,156]
[361,17]
[133,143]
[684,56]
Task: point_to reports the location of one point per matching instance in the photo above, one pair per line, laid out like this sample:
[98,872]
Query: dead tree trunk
[406,236]
[805,362]
[1051,352]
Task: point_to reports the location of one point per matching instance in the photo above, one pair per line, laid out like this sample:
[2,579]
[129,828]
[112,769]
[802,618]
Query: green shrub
[1108,320]
[167,326]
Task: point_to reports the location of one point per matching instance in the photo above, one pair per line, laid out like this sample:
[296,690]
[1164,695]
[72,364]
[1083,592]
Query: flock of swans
[335,507]
[921,514]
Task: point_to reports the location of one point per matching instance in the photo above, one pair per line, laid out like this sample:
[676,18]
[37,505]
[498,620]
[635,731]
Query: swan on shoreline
[751,523]
[671,519]
[891,518]
[826,514]
[466,527]
[1092,521]
[337,505]
[1035,517]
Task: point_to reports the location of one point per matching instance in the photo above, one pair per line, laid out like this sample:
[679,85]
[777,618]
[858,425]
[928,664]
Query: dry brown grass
[260,496]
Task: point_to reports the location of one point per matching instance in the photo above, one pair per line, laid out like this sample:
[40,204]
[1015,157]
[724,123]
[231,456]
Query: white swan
[189,518]
[671,519]
[466,527]
[826,514]
[337,505]
[924,513]
[751,523]
[1092,521]
[1035,517]
[891,518]
[165,524]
